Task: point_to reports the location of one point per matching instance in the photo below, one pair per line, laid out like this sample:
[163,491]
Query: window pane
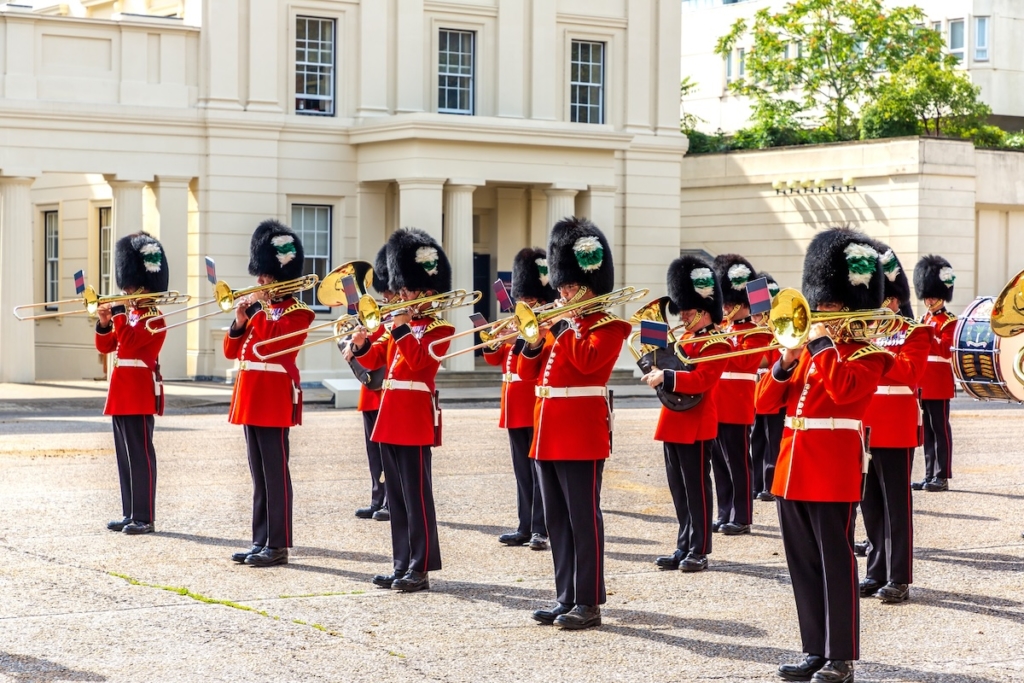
[956,35]
[455,71]
[314,66]
[586,82]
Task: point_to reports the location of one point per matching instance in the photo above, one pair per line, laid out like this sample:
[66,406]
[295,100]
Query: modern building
[481,121]
[985,35]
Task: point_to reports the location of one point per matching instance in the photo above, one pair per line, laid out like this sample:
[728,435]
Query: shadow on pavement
[24,668]
[964,602]
[658,519]
[954,515]
[973,559]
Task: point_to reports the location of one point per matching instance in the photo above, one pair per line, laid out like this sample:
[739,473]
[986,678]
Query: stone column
[220,36]
[458,219]
[17,279]
[561,204]
[410,55]
[539,226]
[372,208]
[172,206]
[419,205]
[126,212]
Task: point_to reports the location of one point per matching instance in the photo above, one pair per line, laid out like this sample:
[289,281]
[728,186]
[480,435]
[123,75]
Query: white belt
[804,423]
[403,384]
[938,359]
[740,375]
[129,363]
[262,367]
[544,391]
[895,391]
[509,377]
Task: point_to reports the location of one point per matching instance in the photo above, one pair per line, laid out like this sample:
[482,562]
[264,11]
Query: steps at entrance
[492,378]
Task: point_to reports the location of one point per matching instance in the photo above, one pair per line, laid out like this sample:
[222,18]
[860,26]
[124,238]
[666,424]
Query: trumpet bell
[369,312]
[790,318]
[331,291]
[1008,308]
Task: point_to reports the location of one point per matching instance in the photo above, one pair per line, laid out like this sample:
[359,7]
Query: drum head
[983,362]
[1011,355]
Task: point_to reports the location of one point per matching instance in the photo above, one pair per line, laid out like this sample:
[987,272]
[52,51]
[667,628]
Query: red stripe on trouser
[703,503]
[597,543]
[855,587]
[149,467]
[949,440]
[284,485]
[423,507]
[910,519]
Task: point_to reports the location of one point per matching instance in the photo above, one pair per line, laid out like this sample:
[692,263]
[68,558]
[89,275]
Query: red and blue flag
[654,333]
[211,271]
[351,294]
[79,282]
[758,296]
[504,300]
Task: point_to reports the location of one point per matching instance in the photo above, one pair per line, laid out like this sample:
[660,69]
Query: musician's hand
[241,306]
[262,295]
[347,353]
[817,330]
[358,339]
[402,318]
[790,357]
[654,378]
[104,314]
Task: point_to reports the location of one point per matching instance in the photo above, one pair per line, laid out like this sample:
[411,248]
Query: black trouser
[410,489]
[136,465]
[378,495]
[818,538]
[271,486]
[764,448]
[688,468]
[888,515]
[732,482]
[571,490]
[938,439]
[529,505]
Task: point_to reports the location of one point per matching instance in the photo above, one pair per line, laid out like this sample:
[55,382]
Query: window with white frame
[741,61]
[106,249]
[314,66]
[455,72]
[312,223]
[51,242]
[586,82]
[937,27]
[981,39]
[956,39]
[728,67]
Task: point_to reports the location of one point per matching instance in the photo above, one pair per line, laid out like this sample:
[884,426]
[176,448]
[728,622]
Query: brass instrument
[226,298]
[657,311]
[1008,308]
[372,314]
[493,334]
[91,303]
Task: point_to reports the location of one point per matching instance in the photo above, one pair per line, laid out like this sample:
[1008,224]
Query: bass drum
[987,366]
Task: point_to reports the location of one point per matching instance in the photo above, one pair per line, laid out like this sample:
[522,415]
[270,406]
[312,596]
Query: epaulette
[150,313]
[712,342]
[297,306]
[867,350]
[606,320]
[438,322]
[950,319]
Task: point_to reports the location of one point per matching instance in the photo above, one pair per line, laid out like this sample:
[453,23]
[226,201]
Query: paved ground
[79,603]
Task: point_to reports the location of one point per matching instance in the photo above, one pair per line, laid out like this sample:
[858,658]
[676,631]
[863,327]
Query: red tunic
[734,394]
[262,398]
[894,415]
[407,415]
[575,428]
[937,383]
[132,389]
[700,422]
[518,398]
[837,381]
[770,359]
[369,399]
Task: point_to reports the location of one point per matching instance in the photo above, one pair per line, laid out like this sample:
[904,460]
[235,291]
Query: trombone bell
[331,291]
[790,318]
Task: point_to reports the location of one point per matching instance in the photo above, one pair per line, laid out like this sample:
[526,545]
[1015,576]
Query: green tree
[817,58]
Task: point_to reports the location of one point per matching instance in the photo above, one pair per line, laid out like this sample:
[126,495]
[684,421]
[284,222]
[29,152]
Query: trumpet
[91,303]
[493,334]
[225,298]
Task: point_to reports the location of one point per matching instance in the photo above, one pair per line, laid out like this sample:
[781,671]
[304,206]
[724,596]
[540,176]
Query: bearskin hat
[692,284]
[843,266]
[530,276]
[276,250]
[773,284]
[417,262]
[933,278]
[896,285]
[733,272]
[578,254]
[380,271]
[140,263]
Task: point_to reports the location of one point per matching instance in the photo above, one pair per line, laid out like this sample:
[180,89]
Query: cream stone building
[481,121]
[986,35]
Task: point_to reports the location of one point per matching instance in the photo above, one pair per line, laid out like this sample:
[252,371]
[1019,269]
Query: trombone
[491,334]
[91,303]
[225,298]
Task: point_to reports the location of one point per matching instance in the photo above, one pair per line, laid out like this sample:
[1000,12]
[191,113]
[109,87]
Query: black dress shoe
[386,580]
[240,557]
[580,617]
[937,484]
[766,496]
[869,587]
[835,671]
[893,592]
[860,548]
[670,561]
[118,524]
[514,538]
[919,485]
[412,581]
[548,616]
[138,528]
[268,557]
[734,529]
[382,515]
[716,526]
[538,542]
[367,512]
[693,563]
[804,670]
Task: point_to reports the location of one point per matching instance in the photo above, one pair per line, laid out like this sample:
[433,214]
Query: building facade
[480,121]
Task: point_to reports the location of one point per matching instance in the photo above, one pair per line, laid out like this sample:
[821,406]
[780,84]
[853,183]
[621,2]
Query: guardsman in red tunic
[735,400]
[571,365]
[136,391]
[893,418]
[408,424]
[267,398]
[933,282]
[518,400]
[688,435]
[826,387]
[370,391]
[766,433]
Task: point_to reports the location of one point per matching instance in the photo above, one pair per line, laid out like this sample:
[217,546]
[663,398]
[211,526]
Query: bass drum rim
[1006,351]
